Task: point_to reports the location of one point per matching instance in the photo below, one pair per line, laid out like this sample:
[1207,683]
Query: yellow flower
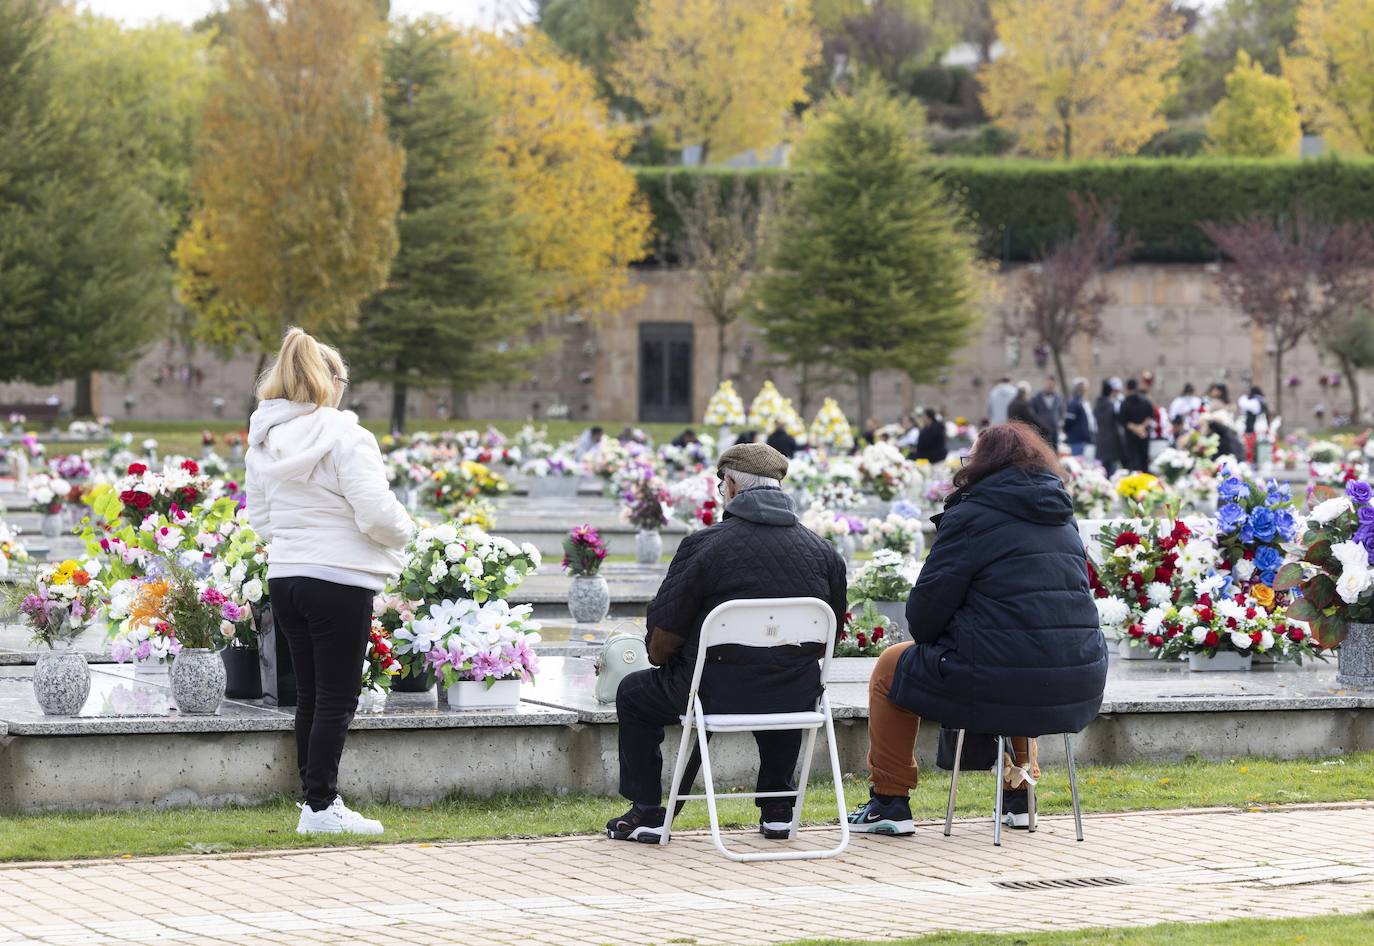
[64,572]
[1263,595]
[1136,485]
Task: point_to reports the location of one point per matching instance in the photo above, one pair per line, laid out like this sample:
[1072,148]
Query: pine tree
[83,276]
[868,267]
[460,294]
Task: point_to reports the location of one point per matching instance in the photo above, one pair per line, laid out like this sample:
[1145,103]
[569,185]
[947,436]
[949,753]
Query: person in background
[1137,415]
[1218,397]
[688,436]
[1021,411]
[1253,407]
[911,432]
[1049,409]
[1005,634]
[870,431]
[1111,447]
[1080,425]
[930,444]
[1186,407]
[999,400]
[317,493]
[783,442]
[588,441]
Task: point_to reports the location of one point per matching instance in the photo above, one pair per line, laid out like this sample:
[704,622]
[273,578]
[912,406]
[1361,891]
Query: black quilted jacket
[758,550]
[1007,633]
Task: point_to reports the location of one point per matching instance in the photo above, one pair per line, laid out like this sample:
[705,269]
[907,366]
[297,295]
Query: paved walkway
[1291,862]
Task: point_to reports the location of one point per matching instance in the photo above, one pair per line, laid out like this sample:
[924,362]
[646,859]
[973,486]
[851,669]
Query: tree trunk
[399,390]
[720,351]
[83,406]
[804,390]
[1059,370]
[863,382]
[1351,373]
[1278,381]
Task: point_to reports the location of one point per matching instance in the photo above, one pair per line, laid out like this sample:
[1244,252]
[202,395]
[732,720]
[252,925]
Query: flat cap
[756,458]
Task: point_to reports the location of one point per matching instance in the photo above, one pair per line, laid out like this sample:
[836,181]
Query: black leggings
[326,627]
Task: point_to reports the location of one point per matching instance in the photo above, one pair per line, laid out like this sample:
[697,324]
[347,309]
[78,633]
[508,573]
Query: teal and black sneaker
[883,814]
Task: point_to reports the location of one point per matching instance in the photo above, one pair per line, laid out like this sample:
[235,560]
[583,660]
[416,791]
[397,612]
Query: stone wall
[1166,319]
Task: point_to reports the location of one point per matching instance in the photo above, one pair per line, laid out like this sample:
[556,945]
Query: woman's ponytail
[304,371]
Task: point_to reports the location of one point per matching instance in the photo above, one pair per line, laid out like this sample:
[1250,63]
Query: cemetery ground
[1241,784]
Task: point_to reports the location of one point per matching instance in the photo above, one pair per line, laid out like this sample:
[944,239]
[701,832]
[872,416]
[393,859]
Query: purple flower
[1285,524]
[1359,491]
[1365,515]
[144,649]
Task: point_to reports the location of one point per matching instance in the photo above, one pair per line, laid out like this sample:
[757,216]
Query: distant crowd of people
[1120,426]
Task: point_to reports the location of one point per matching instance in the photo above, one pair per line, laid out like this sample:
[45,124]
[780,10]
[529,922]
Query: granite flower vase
[61,682]
[648,546]
[52,525]
[1355,658]
[198,681]
[589,599]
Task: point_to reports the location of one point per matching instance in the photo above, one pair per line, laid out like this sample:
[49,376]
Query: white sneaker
[338,818]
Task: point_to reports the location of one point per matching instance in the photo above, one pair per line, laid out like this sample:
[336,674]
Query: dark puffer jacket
[758,550]
[1007,633]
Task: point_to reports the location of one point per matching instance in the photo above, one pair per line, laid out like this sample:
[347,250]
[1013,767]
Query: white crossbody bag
[620,656]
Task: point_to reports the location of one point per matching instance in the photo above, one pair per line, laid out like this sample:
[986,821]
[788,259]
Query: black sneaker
[637,824]
[1016,808]
[883,814]
[775,820]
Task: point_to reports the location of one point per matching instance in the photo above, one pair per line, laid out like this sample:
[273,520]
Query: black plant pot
[413,684]
[243,673]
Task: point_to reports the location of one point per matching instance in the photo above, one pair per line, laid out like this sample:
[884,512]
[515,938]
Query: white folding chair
[1002,744]
[761,622]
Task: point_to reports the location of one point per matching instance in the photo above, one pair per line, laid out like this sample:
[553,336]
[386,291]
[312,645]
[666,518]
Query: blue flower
[1231,489]
[1267,578]
[1268,559]
[1359,491]
[1285,524]
[1262,523]
[1230,517]
[1280,494]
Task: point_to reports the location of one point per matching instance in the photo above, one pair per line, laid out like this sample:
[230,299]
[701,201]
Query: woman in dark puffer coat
[1005,633]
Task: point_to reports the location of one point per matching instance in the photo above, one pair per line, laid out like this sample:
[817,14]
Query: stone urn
[894,611]
[589,599]
[648,546]
[61,681]
[198,680]
[52,526]
[1355,658]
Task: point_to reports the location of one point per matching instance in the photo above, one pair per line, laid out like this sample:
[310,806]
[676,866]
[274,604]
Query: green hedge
[1019,205]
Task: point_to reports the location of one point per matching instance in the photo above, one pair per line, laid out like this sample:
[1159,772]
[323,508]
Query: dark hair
[930,412]
[1007,445]
[1106,387]
[1255,391]
[1132,384]
[597,430]
[1221,388]
[1188,388]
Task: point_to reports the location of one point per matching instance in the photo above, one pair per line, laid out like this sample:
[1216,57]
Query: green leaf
[1303,610]
[1330,630]
[1289,577]
[1319,552]
[1320,494]
[1321,591]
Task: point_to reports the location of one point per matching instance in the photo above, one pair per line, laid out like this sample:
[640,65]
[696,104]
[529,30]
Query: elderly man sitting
[758,550]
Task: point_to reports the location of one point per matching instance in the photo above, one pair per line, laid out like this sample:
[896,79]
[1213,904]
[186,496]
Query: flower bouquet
[448,562]
[696,500]
[11,549]
[765,408]
[1220,631]
[1254,522]
[885,471]
[48,492]
[830,429]
[887,576]
[834,527]
[589,597]
[142,492]
[1334,574]
[1092,492]
[484,652]
[380,666]
[726,408]
[1141,573]
[71,467]
[897,533]
[1144,495]
[645,500]
[866,632]
[1173,465]
[58,600]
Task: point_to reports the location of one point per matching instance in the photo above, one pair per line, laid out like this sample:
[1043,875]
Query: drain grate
[1060,884]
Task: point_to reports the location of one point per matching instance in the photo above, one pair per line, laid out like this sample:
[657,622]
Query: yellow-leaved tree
[1332,71]
[1082,78]
[1257,118]
[720,74]
[579,213]
[296,183]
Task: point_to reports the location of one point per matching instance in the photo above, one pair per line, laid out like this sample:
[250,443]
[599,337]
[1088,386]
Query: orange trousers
[892,733]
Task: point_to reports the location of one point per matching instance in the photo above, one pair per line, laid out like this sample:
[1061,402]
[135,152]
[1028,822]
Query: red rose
[1212,639]
[848,616]
[1127,538]
[1205,601]
[1137,631]
[190,466]
[1256,637]
[1204,615]
[190,494]
[137,469]
[1231,623]
[877,633]
[1156,640]
[1250,614]
[862,639]
[1295,634]
[136,498]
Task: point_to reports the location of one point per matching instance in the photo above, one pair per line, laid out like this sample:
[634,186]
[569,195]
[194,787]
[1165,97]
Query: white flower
[1353,583]
[1228,608]
[1331,509]
[1199,634]
[1240,640]
[1351,555]
[454,552]
[1111,611]
[445,533]
[1159,593]
[252,590]
[438,571]
[226,630]
[473,565]
[238,573]
[1186,615]
[1244,569]
[451,613]
[1152,619]
[1266,641]
[1211,584]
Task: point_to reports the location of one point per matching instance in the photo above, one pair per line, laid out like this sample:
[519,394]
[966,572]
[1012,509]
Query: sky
[470,12]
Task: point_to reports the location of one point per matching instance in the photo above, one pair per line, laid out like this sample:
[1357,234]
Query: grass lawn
[1235,784]
[1354,930]
[183,436]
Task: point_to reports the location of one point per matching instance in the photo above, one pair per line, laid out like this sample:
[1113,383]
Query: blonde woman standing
[318,493]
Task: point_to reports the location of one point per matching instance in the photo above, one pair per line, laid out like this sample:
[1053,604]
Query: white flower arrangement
[830,429]
[726,408]
[766,406]
[446,562]
[885,471]
[896,533]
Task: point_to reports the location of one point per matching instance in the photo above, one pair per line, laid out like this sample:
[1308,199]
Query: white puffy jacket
[318,494]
